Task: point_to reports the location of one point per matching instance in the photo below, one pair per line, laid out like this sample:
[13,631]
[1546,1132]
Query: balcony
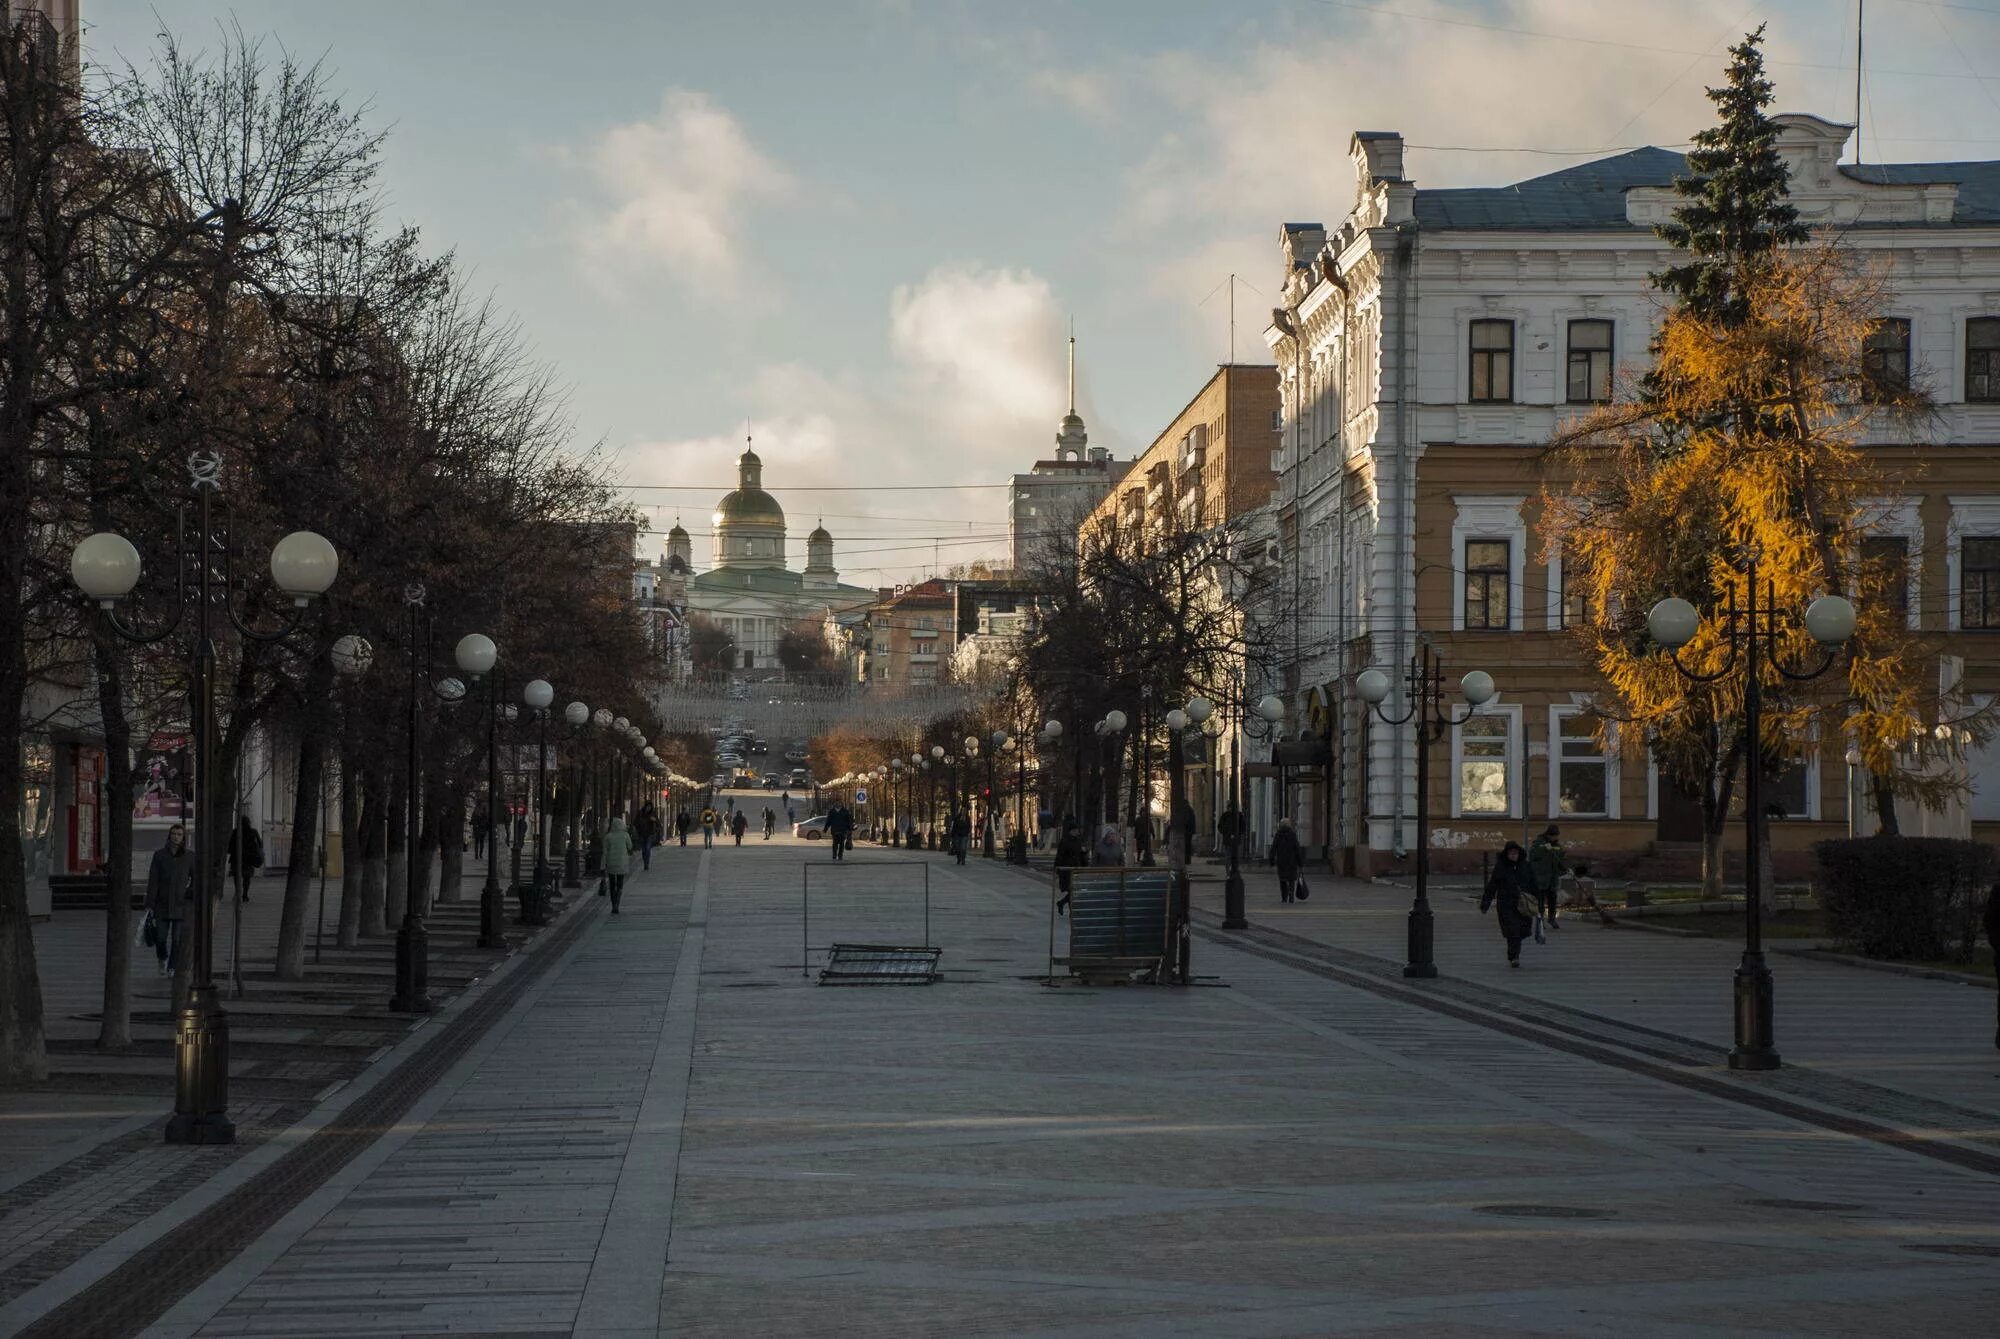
[923,634]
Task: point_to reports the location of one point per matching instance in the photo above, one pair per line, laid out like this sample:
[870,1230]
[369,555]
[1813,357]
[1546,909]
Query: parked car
[770,781]
[810,829]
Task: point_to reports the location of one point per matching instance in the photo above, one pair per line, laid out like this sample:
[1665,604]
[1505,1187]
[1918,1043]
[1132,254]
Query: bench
[1125,923]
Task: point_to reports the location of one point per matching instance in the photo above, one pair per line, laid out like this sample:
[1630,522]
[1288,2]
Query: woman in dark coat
[1069,854]
[1511,892]
[1287,855]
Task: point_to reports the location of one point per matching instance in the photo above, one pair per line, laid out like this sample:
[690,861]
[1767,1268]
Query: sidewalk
[81,1155]
[1925,1037]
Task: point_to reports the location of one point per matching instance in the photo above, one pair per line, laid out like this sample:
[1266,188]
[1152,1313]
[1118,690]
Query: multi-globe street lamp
[1256,720]
[412,993]
[1751,635]
[1423,686]
[476,656]
[577,716]
[105,567]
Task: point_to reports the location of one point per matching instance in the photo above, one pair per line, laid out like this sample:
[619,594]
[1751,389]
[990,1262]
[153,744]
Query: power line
[718,489]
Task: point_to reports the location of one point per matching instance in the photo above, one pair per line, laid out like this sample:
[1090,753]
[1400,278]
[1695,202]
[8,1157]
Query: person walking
[648,832]
[1110,847]
[681,825]
[1287,855]
[520,829]
[1545,867]
[961,835]
[770,822]
[840,828]
[170,896]
[1069,855]
[739,824]
[709,821]
[480,821]
[1511,893]
[617,859]
[246,855]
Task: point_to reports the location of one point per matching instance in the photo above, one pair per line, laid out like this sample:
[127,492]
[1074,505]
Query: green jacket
[618,851]
[1545,863]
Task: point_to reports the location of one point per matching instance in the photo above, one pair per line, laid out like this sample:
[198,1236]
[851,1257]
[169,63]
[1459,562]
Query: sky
[861,229]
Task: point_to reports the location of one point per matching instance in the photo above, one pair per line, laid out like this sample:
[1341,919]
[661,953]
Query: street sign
[861,795]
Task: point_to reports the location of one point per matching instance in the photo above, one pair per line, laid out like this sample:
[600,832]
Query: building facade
[1427,349]
[907,638]
[1047,503]
[749,590]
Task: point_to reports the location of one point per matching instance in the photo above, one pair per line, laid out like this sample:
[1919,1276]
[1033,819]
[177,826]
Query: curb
[1893,968]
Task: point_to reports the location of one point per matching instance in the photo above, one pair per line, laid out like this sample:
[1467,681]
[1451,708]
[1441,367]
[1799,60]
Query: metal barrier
[1126,923]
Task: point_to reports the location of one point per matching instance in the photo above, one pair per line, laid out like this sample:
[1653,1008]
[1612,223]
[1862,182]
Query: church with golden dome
[749,588]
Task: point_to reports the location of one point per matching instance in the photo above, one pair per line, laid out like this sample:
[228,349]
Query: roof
[749,504]
[766,581]
[1591,196]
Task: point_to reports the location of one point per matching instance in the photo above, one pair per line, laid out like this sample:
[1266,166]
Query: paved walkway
[673,1133]
[1930,1038]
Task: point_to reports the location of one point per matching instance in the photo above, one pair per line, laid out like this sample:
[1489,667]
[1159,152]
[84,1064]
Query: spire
[1072,365]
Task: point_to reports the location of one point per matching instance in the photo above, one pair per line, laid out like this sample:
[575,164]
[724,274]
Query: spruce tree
[1738,209]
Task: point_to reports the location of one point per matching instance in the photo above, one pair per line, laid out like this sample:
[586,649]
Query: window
[923,673]
[1784,793]
[1484,762]
[1582,773]
[1277,420]
[1589,361]
[1982,358]
[1572,594]
[1493,360]
[1885,360]
[1885,572]
[1487,571]
[1979,583]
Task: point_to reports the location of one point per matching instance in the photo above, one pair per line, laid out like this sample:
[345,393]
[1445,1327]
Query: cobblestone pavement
[674,1132]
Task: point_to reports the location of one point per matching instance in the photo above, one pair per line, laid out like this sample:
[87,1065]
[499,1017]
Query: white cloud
[973,390]
[677,191]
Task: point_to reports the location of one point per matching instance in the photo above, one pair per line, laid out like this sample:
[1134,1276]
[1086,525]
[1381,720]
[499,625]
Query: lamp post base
[1754,1049]
[1420,964]
[1232,902]
[492,916]
[413,942]
[201,1073]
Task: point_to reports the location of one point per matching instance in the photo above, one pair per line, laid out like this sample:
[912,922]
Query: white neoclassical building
[749,589]
[1430,343]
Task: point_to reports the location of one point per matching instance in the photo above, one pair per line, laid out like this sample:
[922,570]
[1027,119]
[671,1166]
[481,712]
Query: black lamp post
[1423,685]
[537,697]
[1265,714]
[577,716]
[105,567]
[1673,623]
[476,656]
[1017,844]
[413,938]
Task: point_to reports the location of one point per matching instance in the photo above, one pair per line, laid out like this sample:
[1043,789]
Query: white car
[810,829]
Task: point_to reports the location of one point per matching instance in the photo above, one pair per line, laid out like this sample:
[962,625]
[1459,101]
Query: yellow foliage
[1741,445]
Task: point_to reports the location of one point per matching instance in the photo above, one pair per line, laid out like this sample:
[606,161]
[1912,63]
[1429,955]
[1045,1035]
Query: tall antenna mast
[1232,317]
[1860,21]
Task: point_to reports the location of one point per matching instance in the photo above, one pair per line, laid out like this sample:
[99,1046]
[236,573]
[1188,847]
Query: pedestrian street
[675,1132]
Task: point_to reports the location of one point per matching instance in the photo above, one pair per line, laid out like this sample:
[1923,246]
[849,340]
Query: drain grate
[1542,1211]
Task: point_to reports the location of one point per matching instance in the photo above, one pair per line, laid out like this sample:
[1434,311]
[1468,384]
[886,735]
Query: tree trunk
[449,820]
[426,852]
[1712,831]
[352,853]
[375,867]
[114,1029]
[1885,805]
[396,892]
[314,727]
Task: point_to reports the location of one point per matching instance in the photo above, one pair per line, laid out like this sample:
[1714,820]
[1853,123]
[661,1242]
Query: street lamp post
[1177,720]
[476,656]
[1423,684]
[105,567]
[413,940]
[1268,711]
[577,716]
[537,697]
[1673,623]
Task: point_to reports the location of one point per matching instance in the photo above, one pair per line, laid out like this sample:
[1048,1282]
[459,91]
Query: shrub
[1905,897]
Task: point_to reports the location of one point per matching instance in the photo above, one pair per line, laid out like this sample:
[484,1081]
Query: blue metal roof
[1591,196]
